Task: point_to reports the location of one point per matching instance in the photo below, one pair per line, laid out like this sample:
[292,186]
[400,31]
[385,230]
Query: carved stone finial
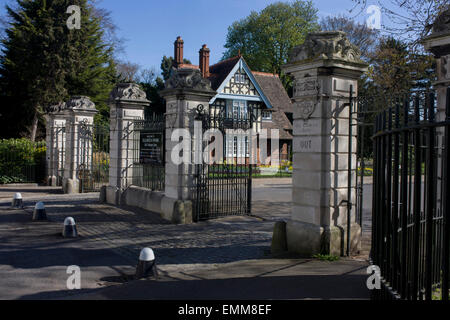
[56,108]
[128,92]
[188,79]
[326,45]
[442,23]
[80,102]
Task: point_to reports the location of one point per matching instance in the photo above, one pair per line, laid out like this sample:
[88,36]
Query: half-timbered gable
[243,93]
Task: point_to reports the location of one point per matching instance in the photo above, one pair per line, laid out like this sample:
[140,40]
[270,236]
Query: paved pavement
[34,257]
[250,280]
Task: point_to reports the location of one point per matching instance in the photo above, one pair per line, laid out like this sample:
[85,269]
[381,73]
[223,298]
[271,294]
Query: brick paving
[127,230]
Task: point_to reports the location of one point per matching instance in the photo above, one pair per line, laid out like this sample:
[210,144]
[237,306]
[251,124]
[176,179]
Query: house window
[239,78]
[238,110]
[237,146]
[266,115]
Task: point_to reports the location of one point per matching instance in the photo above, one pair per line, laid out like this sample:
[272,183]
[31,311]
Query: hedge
[22,160]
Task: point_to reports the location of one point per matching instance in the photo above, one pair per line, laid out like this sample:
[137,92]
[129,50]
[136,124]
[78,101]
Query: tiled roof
[220,71]
[188,66]
[274,91]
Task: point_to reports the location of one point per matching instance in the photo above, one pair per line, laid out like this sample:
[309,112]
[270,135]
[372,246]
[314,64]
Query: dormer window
[239,78]
[266,115]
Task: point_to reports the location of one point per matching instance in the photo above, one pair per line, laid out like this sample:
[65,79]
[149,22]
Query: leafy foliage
[409,20]
[265,39]
[167,64]
[44,63]
[19,158]
[359,34]
[326,257]
[396,68]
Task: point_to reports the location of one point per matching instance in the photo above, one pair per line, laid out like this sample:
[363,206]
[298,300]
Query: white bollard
[70,228]
[39,213]
[147,264]
[17,201]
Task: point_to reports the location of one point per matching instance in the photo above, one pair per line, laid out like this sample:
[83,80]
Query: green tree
[265,39]
[359,34]
[167,64]
[396,68]
[43,62]
[409,20]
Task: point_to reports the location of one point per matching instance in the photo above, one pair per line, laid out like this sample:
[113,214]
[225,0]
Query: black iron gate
[411,208]
[224,188]
[93,156]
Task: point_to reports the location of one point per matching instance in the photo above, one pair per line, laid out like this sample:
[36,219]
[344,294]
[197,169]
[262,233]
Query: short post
[185,91]
[127,103]
[146,265]
[39,213]
[79,114]
[17,201]
[70,228]
[325,68]
[55,140]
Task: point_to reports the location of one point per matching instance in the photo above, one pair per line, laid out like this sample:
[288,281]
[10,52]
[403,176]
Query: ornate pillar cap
[80,103]
[188,81]
[438,42]
[57,108]
[129,93]
[326,48]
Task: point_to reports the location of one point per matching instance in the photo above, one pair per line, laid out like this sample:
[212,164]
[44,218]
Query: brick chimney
[178,54]
[204,61]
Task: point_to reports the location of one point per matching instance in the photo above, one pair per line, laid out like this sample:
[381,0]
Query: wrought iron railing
[411,207]
[92,148]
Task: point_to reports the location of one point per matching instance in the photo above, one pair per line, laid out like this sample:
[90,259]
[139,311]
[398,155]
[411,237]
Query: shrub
[21,160]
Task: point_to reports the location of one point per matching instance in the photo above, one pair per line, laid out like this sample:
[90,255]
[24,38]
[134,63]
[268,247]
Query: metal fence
[22,161]
[93,153]
[224,189]
[411,208]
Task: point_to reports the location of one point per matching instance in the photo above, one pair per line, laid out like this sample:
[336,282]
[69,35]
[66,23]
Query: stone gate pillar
[79,114]
[438,43]
[185,90]
[55,137]
[324,69]
[127,103]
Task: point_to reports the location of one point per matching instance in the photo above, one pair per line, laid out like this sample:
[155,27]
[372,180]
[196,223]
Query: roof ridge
[223,61]
[267,74]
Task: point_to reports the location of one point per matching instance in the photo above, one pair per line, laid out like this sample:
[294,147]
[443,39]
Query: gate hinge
[349,204]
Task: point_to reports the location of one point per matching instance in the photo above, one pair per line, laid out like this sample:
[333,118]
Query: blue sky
[151,26]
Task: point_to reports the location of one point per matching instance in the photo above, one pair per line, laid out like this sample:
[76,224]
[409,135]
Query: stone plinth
[185,90]
[127,103]
[55,142]
[438,43]
[324,69]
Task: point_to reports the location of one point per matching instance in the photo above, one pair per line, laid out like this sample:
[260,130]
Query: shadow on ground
[325,287]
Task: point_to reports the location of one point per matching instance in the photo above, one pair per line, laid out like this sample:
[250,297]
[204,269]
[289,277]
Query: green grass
[326,257]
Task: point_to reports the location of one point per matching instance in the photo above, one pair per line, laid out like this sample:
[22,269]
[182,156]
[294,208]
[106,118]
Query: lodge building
[239,90]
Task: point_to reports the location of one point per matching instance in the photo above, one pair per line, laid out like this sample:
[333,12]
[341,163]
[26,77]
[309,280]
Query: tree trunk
[34,127]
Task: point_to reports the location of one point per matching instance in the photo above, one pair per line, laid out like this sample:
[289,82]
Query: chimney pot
[178,52]
[204,61]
